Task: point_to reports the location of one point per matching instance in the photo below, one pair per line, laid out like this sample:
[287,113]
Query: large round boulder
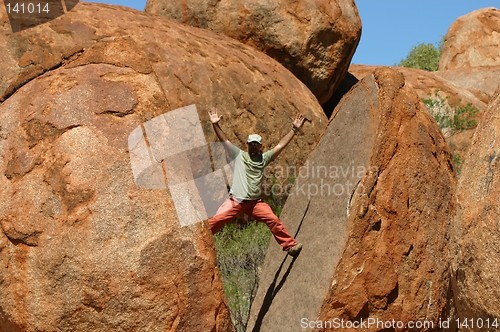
[315,40]
[372,208]
[472,41]
[476,231]
[91,237]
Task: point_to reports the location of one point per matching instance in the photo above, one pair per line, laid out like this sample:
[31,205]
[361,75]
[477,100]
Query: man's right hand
[214,117]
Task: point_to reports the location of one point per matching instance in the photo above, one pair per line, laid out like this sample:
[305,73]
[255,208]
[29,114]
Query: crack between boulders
[44,71]
[104,63]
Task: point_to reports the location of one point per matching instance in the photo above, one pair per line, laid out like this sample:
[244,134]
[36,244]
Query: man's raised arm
[215,118]
[297,123]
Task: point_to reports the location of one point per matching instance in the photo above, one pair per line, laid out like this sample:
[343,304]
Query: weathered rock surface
[472,41]
[482,82]
[372,208]
[82,246]
[464,87]
[202,69]
[428,84]
[476,228]
[315,40]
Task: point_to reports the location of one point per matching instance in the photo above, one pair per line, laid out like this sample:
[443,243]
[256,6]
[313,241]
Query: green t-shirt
[248,174]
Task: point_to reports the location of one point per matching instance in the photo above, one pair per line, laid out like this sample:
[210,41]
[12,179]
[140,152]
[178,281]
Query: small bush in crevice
[448,118]
[241,248]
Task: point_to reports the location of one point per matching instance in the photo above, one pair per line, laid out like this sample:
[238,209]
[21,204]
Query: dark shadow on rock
[26,14]
[271,293]
[347,83]
[273,288]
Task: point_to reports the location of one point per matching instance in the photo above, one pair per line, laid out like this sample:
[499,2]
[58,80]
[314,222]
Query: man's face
[254,148]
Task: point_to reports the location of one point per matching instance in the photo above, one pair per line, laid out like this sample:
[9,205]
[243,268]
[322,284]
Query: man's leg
[262,212]
[226,213]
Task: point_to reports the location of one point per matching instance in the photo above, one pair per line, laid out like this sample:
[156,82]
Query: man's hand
[299,120]
[214,117]
[297,123]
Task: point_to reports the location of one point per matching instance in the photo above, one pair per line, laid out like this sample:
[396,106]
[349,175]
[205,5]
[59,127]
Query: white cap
[254,138]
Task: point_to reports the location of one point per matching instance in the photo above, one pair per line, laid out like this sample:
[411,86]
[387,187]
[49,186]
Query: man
[244,196]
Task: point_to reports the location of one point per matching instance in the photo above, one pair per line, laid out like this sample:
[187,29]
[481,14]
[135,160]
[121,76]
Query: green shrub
[446,117]
[439,109]
[423,56]
[241,249]
[464,117]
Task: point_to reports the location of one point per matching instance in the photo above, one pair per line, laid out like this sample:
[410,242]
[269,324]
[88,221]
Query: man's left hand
[299,120]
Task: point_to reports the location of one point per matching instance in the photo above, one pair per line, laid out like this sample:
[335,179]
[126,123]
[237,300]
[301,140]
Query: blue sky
[391,28]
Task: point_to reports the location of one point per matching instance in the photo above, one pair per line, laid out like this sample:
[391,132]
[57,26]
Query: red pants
[257,209]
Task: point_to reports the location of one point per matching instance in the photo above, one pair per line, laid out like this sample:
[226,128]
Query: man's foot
[295,250]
